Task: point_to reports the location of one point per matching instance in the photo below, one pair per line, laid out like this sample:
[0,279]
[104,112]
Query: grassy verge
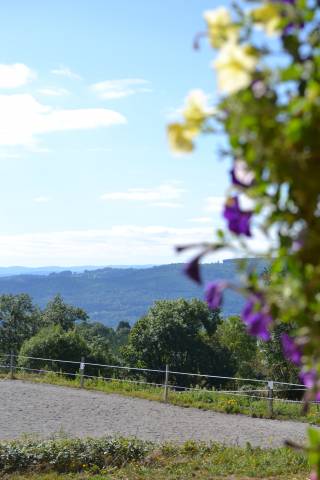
[196,398]
[130,459]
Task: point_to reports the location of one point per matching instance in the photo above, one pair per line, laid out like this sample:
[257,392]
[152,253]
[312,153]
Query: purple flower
[238,221]
[240,175]
[291,26]
[308,378]
[192,269]
[257,317]
[213,294]
[291,350]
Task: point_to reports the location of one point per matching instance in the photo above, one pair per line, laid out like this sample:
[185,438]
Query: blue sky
[86,91]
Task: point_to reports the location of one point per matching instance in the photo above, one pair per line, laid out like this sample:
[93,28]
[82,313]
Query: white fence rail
[267,392]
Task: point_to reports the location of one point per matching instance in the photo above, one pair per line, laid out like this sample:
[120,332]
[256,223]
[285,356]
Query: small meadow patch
[132,460]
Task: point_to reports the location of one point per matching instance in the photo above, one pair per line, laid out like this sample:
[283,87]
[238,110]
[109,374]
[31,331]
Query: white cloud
[53,92]
[22,118]
[35,148]
[64,71]
[214,204]
[41,199]
[173,113]
[167,204]
[10,155]
[115,245]
[150,244]
[15,75]
[165,195]
[114,89]
[201,220]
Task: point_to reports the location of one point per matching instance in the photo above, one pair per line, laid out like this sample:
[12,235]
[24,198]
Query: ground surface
[28,408]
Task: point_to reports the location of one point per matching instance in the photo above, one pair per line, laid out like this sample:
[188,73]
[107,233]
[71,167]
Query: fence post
[81,371]
[11,365]
[166,382]
[270,398]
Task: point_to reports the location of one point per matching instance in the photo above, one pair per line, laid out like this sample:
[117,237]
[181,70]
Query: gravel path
[45,410]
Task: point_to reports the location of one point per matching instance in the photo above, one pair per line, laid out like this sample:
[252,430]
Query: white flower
[242,174]
[235,65]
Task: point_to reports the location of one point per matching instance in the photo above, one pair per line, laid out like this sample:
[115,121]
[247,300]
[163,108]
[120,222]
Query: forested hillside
[110,295]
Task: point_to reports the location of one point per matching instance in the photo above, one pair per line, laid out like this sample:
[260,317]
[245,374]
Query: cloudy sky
[86,90]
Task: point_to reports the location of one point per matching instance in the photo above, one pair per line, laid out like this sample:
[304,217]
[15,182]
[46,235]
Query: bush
[55,343]
[71,455]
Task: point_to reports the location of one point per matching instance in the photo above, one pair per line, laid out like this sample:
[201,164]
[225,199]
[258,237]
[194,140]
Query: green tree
[55,343]
[91,330]
[19,320]
[179,333]
[57,312]
[104,337]
[233,335]
[122,335]
[123,327]
[276,366]
[98,336]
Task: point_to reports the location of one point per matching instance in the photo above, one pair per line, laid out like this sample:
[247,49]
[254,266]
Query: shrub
[55,343]
[70,455]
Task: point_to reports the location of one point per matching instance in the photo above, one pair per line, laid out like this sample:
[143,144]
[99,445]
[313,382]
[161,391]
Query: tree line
[182,333]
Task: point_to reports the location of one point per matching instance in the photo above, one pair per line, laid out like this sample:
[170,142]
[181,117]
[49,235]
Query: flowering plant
[268,77]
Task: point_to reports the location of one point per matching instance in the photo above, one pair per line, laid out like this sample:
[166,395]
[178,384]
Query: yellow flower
[235,65]
[220,26]
[181,137]
[196,109]
[268,17]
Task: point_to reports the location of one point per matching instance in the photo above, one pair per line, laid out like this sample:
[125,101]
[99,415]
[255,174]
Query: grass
[189,461]
[197,398]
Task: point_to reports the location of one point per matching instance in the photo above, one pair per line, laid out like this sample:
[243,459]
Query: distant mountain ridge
[110,294]
[19,270]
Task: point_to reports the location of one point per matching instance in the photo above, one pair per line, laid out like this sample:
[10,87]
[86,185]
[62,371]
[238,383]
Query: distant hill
[17,270]
[113,294]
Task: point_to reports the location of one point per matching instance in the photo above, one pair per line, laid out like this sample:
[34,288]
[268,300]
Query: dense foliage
[55,343]
[185,334]
[180,333]
[102,338]
[70,455]
[277,366]
[66,335]
[132,459]
[268,77]
[232,334]
[57,312]
[19,320]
